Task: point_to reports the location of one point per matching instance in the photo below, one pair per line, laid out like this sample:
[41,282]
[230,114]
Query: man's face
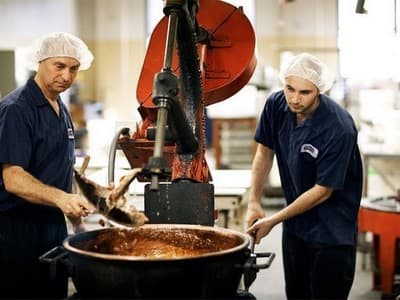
[58,73]
[301,95]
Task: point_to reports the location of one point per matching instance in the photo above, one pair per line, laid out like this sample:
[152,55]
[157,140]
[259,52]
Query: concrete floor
[269,284]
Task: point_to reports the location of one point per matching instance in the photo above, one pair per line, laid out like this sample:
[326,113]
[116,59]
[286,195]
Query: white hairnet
[310,68]
[59,44]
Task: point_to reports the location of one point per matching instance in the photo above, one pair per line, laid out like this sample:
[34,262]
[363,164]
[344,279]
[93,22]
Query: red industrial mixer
[200,53]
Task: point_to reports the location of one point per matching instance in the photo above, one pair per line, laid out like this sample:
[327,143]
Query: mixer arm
[181,29]
[165,96]
[223,38]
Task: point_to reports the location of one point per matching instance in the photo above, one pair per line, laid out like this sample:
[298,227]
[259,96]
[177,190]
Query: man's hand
[261,228]
[74,205]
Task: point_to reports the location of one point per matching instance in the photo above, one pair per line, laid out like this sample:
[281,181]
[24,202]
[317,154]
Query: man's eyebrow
[289,86]
[301,91]
[305,91]
[65,65]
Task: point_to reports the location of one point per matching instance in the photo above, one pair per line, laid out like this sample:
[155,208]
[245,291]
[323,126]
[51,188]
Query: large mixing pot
[159,261]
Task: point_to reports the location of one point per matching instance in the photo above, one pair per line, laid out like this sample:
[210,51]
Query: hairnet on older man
[59,44]
[310,68]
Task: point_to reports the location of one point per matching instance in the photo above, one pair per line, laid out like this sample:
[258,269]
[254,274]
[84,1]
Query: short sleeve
[15,136]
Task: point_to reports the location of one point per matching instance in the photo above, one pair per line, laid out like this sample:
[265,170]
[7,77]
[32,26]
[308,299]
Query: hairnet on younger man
[59,44]
[310,68]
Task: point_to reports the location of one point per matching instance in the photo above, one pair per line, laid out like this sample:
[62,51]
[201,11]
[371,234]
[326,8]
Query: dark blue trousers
[317,271]
[26,234]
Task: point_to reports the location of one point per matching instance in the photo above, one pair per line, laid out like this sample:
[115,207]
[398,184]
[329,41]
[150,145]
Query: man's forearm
[19,182]
[261,167]
[306,201]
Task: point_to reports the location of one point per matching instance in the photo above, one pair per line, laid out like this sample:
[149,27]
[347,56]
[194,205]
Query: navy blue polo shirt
[322,150]
[34,137]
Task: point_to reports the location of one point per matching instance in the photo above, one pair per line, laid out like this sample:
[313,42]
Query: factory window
[154,11]
[369,42]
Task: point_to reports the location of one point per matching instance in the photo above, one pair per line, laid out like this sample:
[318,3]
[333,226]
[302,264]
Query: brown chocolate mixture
[160,243]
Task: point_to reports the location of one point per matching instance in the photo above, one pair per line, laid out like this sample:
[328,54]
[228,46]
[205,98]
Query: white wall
[299,18]
[21,21]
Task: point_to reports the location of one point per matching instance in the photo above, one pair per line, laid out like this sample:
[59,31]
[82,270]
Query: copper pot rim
[219,230]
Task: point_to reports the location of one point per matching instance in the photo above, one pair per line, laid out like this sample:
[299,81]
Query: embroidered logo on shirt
[70,134]
[310,149]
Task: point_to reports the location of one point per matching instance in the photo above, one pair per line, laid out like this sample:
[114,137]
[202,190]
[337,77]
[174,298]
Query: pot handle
[269,255]
[53,257]
[250,267]
[54,254]
[251,262]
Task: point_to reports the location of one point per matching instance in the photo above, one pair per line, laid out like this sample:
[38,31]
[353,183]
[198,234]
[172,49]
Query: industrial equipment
[200,53]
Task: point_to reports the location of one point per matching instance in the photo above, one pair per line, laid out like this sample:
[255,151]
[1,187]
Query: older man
[315,143]
[37,158]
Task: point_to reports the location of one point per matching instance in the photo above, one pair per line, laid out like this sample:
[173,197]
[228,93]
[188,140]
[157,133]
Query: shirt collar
[319,113]
[38,97]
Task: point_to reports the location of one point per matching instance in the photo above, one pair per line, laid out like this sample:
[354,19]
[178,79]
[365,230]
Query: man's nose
[66,75]
[295,98]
